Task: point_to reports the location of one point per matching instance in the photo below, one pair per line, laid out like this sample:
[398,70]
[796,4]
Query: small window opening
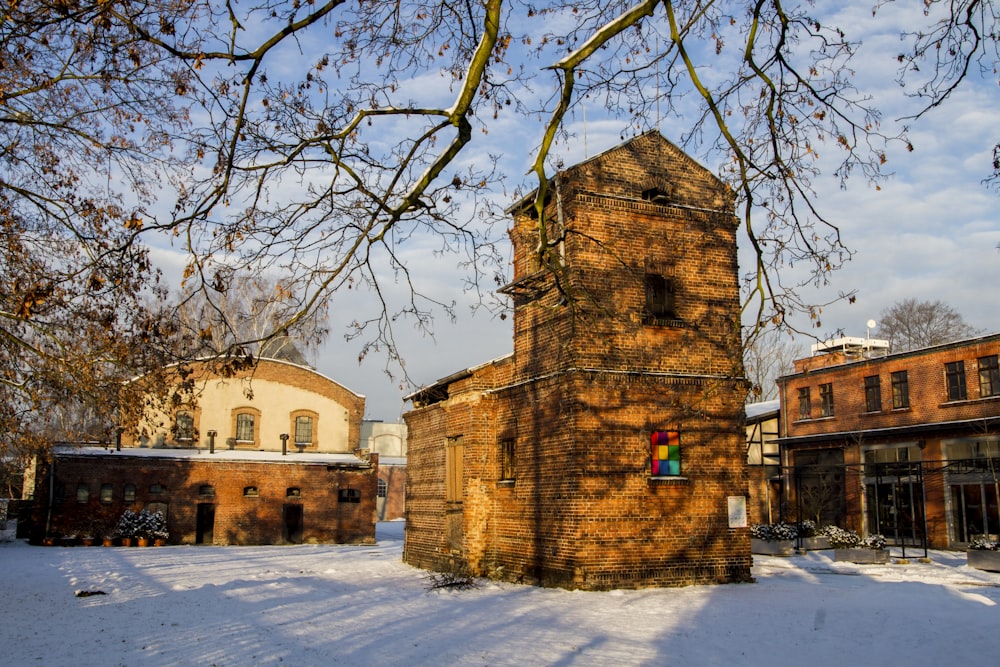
[349,496]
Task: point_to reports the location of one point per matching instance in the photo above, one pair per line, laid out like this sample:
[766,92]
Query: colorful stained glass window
[665,453]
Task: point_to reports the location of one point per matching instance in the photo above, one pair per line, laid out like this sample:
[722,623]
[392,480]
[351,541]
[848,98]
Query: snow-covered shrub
[983,544]
[772,532]
[841,538]
[127,525]
[151,525]
[828,530]
[806,528]
[874,542]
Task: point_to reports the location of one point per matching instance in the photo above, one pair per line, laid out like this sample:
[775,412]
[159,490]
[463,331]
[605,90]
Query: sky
[930,232]
[361,605]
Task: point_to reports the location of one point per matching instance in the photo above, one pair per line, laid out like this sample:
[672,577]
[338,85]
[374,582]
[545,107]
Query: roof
[763,410]
[530,197]
[438,391]
[220,455]
[910,430]
[978,340]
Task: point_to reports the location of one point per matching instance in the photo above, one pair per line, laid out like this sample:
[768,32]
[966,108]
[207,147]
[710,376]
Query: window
[348,496]
[382,489]
[665,453]
[107,494]
[826,400]
[184,426]
[82,493]
[251,491]
[873,394]
[507,459]
[954,372]
[989,376]
[153,489]
[454,452]
[293,492]
[805,403]
[303,430]
[128,493]
[660,297]
[206,490]
[657,195]
[900,390]
[244,427]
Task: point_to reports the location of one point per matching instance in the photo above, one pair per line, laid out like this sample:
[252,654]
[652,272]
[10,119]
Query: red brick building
[901,444]
[607,450]
[268,457]
[229,497]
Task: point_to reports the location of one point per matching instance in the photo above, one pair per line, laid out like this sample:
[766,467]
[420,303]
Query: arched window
[246,427]
[303,429]
[184,426]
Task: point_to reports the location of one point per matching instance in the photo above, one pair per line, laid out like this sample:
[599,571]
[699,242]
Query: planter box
[772,548]
[862,556]
[982,559]
[814,543]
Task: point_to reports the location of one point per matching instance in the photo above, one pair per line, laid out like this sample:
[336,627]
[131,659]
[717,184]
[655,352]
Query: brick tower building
[607,451]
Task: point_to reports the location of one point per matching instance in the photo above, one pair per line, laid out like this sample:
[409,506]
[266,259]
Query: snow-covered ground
[349,605]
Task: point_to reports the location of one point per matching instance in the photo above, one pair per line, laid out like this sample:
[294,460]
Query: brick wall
[180,486]
[925,425]
[588,382]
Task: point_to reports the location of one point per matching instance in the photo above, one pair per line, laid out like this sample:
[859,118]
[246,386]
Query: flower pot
[87,541]
[772,547]
[983,559]
[48,541]
[108,542]
[159,542]
[126,541]
[862,556]
[143,541]
[814,543]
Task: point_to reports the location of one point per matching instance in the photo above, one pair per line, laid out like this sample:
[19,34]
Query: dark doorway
[291,523]
[205,529]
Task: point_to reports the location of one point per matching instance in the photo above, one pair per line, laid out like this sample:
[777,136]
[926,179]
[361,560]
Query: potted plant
[127,527]
[984,554]
[811,538]
[775,539]
[850,547]
[151,526]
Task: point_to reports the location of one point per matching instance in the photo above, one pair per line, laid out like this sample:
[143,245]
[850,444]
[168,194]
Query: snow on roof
[754,410]
[204,455]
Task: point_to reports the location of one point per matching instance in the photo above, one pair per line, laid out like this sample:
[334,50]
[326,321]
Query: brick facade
[932,450]
[550,446]
[252,501]
[263,490]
